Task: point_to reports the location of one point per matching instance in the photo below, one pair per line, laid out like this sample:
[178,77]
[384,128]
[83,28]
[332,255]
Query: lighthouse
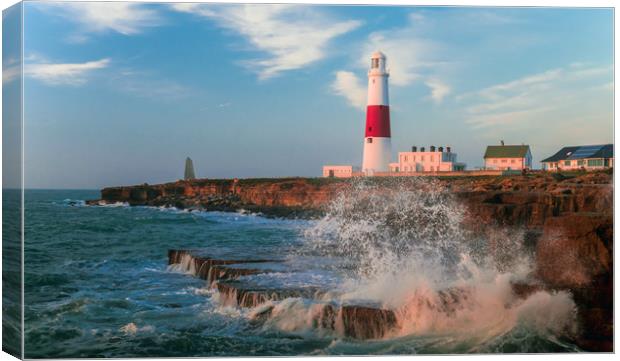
[377,141]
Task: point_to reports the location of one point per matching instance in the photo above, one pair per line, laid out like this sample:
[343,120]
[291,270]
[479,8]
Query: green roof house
[508,157]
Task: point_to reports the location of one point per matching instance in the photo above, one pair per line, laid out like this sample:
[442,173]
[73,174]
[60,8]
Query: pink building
[508,157]
[338,171]
[434,160]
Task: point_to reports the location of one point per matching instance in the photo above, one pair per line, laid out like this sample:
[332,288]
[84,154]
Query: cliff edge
[567,223]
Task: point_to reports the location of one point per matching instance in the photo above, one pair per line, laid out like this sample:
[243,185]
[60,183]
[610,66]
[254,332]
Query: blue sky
[121,93]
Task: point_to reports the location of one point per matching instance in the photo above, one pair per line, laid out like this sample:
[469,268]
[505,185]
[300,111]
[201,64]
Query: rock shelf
[355,321]
[567,221]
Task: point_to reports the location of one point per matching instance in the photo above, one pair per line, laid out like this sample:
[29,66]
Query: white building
[338,171]
[508,157]
[588,157]
[434,160]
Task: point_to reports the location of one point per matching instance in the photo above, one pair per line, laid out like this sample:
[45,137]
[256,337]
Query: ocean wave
[112,205]
[132,329]
[72,202]
[407,252]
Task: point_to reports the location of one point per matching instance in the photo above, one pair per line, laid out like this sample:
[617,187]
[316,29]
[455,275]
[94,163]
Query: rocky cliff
[567,223]
[284,197]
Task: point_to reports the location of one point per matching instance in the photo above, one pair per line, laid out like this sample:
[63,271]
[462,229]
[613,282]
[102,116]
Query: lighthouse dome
[377,55]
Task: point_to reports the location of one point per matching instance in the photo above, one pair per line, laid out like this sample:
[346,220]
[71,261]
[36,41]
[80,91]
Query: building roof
[506,151]
[582,152]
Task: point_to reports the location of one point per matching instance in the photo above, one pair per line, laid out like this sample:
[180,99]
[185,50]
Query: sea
[97,282]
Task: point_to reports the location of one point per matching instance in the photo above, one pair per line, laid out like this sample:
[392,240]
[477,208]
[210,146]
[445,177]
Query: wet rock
[574,249]
[234,293]
[525,289]
[212,269]
[217,273]
[366,322]
[575,253]
[567,222]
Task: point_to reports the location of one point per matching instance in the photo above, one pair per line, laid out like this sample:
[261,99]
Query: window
[494,160]
[581,162]
[422,157]
[370,129]
[374,63]
[595,162]
[512,161]
[369,140]
[567,163]
[504,161]
[405,158]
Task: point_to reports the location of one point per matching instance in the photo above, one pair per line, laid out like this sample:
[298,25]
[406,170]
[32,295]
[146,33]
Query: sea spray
[402,244]
[382,227]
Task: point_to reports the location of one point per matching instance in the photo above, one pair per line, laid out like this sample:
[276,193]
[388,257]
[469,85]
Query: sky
[122,93]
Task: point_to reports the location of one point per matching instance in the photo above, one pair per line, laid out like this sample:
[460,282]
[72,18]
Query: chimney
[432,148]
[440,149]
[421,149]
[414,149]
[501,141]
[448,149]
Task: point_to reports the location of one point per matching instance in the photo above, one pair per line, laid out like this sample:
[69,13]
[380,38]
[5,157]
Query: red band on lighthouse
[378,121]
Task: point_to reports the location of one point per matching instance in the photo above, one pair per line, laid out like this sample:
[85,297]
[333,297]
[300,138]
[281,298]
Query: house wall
[339,171]
[507,163]
[426,161]
[588,164]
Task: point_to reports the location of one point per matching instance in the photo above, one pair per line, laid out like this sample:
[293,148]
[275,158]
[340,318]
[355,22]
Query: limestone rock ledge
[567,223]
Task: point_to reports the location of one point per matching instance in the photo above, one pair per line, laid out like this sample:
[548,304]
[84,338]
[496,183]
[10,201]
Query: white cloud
[11,70]
[98,17]
[410,58]
[292,36]
[407,55]
[148,84]
[528,82]
[536,97]
[349,86]
[63,73]
[439,89]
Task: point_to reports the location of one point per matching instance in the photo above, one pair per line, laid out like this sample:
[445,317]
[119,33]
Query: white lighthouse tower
[377,139]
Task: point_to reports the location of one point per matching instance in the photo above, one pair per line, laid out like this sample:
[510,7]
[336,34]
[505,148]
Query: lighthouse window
[374,63]
[370,129]
[369,140]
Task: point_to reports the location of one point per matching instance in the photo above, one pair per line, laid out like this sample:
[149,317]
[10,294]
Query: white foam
[407,251]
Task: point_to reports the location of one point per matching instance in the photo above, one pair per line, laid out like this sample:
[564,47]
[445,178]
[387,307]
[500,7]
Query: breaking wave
[403,245]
